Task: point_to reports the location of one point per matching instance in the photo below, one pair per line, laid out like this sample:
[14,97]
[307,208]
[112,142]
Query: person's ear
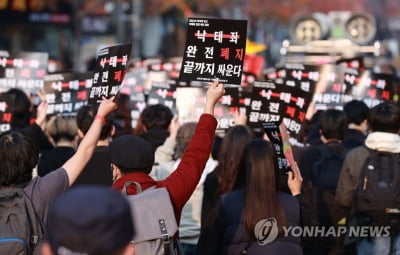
[46,249]
[364,125]
[116,173]
[112,132]
[129,249]
[80,133]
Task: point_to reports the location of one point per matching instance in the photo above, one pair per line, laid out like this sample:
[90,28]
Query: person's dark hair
[230,153]
[122,116]
[22,108]
[309,132]
[126,170]
[183,136]
[258,165]
[356,111]
[62,128]
[18,156]
[216,146]
[85,117]
[385,117]
[333,124]
[156,116]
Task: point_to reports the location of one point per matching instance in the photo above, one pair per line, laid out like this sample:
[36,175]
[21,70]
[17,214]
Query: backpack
[156,229]
[377,194]
[322,183]
[326,170]
[21,228]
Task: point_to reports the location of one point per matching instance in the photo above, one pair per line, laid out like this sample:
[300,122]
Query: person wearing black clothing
[231,225]
[62,130]
[357,114]
[98,170]
[153,124]
[22,116]
[320,168]
[222,180]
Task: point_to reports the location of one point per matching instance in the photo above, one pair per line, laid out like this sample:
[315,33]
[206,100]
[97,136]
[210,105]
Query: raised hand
[295,180]
[106,106]
[173,127]
[214,93]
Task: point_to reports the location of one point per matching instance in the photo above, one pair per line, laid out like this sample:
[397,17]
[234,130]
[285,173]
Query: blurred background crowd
[73,30]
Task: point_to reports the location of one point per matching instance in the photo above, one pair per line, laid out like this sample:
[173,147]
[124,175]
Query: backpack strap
[138,188]
[127,184]
[165,237]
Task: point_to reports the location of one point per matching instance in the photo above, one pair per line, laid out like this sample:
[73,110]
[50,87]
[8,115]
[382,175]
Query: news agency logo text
[266,231]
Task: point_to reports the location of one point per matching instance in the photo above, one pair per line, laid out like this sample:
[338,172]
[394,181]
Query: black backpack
[377,194]
[322,183]
[326,170]
[20,227]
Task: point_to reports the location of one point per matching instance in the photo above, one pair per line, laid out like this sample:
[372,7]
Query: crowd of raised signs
[285,147]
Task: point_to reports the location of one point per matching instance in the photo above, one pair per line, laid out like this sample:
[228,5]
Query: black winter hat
[132,152]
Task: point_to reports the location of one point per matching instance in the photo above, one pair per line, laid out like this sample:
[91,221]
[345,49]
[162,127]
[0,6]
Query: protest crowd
[220,157]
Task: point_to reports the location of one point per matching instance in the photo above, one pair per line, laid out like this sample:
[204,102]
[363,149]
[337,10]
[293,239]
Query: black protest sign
[66,93]
[355,63]
[190,103]
[245,96]
[247,80]
[262,109]
[133,86]
[274,134]
[225,109]
[134,80]
[24,70]
[215,48]
[277,75]
[6,110]
[287,102]
[330,89]
[296,94]
[111,65]
[372,88]
[163,93]
[380,87]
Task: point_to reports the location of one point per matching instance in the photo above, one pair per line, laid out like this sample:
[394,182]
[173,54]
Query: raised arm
[214,92]
[78,161]
[182,182]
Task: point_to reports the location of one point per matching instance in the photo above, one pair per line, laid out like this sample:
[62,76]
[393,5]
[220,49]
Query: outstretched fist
[215,91]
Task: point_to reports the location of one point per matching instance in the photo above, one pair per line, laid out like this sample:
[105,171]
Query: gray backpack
[156,229]
[20,227]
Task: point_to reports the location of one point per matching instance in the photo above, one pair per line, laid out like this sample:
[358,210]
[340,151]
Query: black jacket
[224,232]
[353,138]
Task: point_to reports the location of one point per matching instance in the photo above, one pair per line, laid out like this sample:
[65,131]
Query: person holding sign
[19,154]
[132,158]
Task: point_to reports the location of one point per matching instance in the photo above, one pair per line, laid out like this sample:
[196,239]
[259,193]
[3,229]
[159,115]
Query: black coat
[224,232]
